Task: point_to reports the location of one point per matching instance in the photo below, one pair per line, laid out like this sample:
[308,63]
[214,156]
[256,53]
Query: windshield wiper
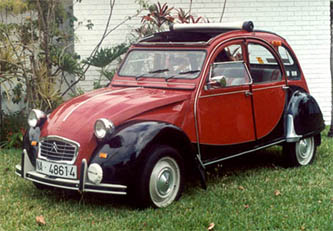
[188,72]
[181,73]
[158,71]
[151,72]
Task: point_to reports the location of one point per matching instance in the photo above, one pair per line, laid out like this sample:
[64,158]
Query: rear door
[267,88]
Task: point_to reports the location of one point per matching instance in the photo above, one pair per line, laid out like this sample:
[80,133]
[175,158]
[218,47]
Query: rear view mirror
[217,82]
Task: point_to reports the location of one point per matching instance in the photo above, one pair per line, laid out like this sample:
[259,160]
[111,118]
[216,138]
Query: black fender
[128,147]
[31,134]
[303,118]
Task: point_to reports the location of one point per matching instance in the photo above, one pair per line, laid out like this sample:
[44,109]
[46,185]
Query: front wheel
[161,181]
[300,153]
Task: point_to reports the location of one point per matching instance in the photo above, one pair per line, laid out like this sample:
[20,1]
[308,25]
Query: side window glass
[229,54]
[291,67]
[263,65]
[226,74]
[228,68]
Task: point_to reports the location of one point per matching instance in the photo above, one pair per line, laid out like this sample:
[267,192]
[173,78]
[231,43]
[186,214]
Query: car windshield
[165,64]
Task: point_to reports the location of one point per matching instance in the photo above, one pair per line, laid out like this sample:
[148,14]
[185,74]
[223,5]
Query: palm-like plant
[158,15]
[186,17]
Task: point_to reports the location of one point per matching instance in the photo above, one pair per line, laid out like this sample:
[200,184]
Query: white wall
[304,23]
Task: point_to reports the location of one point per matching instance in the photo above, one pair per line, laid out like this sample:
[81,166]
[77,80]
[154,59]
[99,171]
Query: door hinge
[248,93]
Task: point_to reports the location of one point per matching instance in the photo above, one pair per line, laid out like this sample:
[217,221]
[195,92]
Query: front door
[224,106]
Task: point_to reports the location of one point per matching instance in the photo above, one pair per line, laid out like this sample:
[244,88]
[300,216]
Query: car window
[263,65]
[163,64]
[228,74]
[291,67]
[228,68]
[230,53]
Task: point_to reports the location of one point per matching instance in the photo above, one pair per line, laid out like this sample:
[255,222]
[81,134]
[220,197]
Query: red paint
[268,106]
[225,116]
[230,115]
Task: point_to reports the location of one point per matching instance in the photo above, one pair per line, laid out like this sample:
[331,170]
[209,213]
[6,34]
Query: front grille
[57,149]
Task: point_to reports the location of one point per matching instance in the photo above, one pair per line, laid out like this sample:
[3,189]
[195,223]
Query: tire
[300,153]
[161,181]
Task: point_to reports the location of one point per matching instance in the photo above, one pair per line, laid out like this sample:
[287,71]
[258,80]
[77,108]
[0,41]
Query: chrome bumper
[27,171]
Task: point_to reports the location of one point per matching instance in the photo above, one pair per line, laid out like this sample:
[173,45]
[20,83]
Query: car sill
[243,153]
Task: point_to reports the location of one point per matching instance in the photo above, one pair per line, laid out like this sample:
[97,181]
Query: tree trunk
[330,132]
[223,9]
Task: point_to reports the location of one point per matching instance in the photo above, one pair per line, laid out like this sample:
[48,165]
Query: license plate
[55,169]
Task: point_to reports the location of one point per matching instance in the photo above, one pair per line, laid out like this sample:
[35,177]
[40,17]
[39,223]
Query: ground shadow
[269,158]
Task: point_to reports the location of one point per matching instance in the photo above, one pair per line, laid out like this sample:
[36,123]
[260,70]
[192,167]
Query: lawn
[249,193]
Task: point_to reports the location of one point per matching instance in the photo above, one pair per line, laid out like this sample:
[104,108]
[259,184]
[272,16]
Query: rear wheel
[300,153]
[161,181]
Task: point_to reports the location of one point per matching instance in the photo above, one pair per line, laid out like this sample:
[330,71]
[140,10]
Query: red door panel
[268,100]
[268,81]
[225,116]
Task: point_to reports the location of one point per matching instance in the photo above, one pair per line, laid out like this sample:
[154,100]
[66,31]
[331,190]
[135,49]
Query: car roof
[204,33]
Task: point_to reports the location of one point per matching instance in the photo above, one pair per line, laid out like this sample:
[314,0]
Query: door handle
[285,87]
[248,93]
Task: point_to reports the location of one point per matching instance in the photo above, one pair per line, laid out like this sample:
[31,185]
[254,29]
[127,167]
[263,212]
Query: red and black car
[181,100]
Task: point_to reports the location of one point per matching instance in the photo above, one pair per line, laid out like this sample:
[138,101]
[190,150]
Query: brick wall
[304,23]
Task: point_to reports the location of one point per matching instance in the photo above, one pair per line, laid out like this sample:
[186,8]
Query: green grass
[248,193]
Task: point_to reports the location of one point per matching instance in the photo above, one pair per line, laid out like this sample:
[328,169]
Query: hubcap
[304,150]
[164,182]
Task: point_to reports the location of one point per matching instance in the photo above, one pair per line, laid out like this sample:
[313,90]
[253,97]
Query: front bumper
[27,171]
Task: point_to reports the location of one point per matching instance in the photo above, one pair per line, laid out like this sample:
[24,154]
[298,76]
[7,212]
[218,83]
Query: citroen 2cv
[181,100]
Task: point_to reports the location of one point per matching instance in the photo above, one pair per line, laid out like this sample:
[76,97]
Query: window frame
[161,49]
[296,64]
[273,52]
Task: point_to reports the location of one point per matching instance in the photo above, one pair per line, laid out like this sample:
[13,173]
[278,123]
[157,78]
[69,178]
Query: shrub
[13,127]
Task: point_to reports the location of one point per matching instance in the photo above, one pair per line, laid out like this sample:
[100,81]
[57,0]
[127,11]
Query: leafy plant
[161,16]
[65,61]
[46,94]
[34,58]
[36,54]
[7,60]
[13,128]
[158,15]
[186,17]
[104,57]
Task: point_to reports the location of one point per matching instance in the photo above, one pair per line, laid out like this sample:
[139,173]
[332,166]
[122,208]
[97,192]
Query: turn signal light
[276,43]
[103,155]
[33,143]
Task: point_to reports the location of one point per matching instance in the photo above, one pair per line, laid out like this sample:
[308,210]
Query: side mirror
[217,82]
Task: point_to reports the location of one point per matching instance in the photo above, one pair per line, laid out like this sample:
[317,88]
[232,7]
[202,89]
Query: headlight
[103,128]
[36,117]
[95,173]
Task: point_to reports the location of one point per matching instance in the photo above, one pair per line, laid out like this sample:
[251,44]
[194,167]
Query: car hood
[76,118]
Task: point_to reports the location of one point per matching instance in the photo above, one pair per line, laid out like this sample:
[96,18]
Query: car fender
[123,155]
[30,141]
[303,118]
